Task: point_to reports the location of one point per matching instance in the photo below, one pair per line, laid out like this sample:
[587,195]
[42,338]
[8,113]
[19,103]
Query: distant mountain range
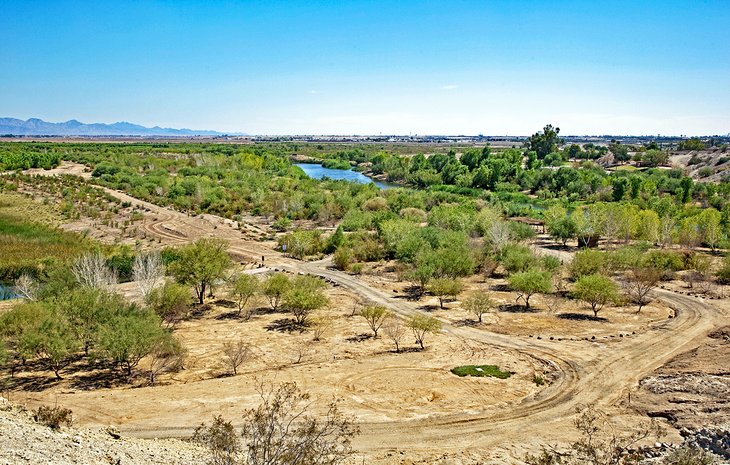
[38,127]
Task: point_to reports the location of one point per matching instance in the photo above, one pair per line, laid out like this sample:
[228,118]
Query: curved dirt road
[600,373]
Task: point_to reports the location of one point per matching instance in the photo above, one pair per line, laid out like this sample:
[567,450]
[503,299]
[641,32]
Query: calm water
[6,292]
[316,171]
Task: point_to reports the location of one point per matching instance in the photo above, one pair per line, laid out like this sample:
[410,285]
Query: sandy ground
[410,408]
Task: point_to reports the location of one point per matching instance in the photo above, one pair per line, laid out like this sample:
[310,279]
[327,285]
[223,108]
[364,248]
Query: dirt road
[600,373]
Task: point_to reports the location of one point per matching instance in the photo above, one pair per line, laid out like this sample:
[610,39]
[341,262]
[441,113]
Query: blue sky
[358,67]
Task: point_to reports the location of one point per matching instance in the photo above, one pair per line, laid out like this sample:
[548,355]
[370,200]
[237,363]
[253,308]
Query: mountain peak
[73,127]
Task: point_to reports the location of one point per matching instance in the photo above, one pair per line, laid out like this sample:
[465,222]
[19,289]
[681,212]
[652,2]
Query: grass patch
[29,239]
[628,168]
[481,370]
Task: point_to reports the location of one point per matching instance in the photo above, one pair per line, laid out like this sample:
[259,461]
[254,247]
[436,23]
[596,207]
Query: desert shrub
[221,438]
[688,456]
[516,258]
[413,214]
[282,431]
[302,243]
[282,224]
[375,204]
[587,262]
[521,231]
[355,220]
[171,302]
[667,261]
[342,258]
[53,417]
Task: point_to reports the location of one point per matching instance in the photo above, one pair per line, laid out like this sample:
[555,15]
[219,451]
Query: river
[316,171]
[6,292]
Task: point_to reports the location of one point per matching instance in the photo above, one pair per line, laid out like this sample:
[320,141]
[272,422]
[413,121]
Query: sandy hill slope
[26,442]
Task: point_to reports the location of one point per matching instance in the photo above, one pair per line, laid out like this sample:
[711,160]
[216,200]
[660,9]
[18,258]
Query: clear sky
[359,67]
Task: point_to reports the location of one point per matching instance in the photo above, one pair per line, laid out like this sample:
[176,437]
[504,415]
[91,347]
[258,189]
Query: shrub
[53,417]
[221,438]
[587,262]
[665,260]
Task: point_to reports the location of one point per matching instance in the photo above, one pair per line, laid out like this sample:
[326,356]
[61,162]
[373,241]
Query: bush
[665,260]
[221,438]
[480,371]
[53,417]
[587,262]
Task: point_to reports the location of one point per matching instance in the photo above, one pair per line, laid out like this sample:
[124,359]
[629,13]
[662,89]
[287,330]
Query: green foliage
[128,336]
[201,264]
[421,325]
[516,258]
[481,371]
[587,262]
[305,295]
[16,157]
[375,315]
[26,245]
[666,260]
[478,304]
[691,144]
[36,329]
[596,290]
[171,302]
[530,282]
[445,287]
[275,287]
[545,142]
[302,243]
[243,288]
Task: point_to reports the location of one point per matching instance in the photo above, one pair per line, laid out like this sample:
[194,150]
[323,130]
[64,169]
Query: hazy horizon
[369,68]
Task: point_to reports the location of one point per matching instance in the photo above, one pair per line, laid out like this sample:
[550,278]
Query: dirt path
[600,373]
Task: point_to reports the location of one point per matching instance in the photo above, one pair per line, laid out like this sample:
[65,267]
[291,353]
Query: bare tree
[236,354]
[395,330]
[600,443]
[639,282]
[26,287]
[320,324]
[281,430]
[666,231]
[91,270]
[167,356]
[498,235]
[148,272]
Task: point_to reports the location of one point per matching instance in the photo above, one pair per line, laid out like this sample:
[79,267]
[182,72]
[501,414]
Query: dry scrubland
[412,409]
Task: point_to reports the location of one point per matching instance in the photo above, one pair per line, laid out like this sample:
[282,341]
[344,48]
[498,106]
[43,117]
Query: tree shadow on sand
[581,317]
[515,308]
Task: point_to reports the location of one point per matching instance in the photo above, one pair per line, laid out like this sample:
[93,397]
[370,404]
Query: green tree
[201,264]
[596,291]
[709,221]
[305,295]
[530,282]
[375,315]
[478,304]
[445,287]
[275,287]
[545,142]
[243,288]
[421,325]
[129,336]
[170,301]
